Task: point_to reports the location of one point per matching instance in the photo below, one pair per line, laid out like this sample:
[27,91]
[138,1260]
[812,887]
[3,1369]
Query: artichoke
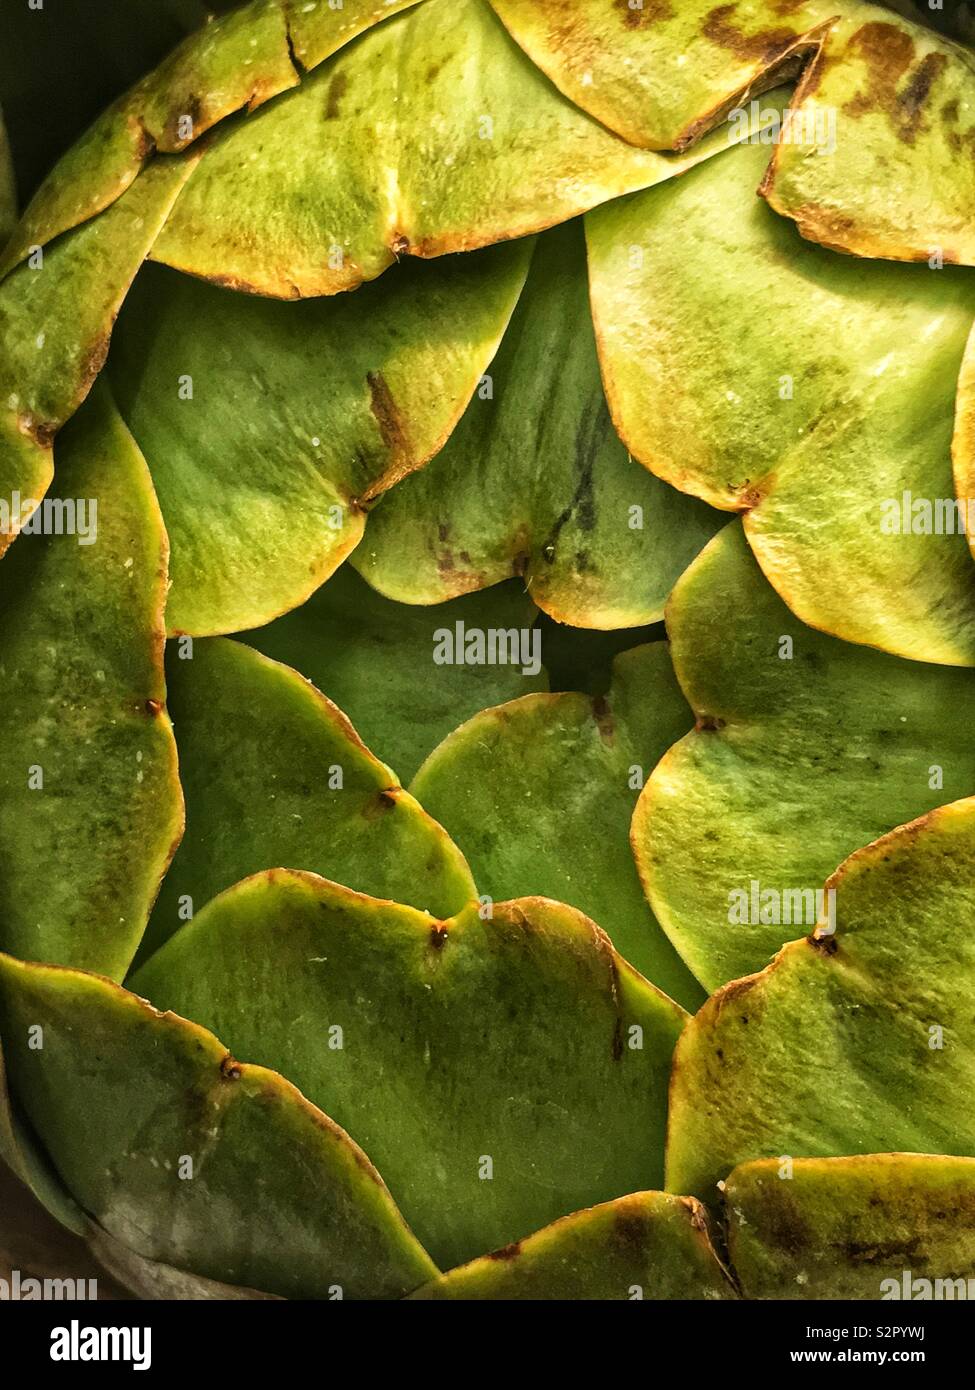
[391,906]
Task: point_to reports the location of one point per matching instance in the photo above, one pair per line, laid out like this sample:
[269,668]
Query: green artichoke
[391,906]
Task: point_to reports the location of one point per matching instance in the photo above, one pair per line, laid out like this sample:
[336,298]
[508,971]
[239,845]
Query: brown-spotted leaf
[662,72]
[875,1226]
[434,133]
[645,1245]
[269,427]
[896,178]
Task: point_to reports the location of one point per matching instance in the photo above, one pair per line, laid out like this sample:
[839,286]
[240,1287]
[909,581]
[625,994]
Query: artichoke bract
[487,655]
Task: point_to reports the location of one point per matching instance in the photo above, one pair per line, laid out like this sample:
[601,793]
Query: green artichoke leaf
[805,749]
[274,774]
[378,660]
[56,317]
[645,1245]
[434,133]
[824,430]
[268,427]
[89,793]
[20,1153]
[899,181]
[534,481]
[662,72]
[240,59]
[190,1158]
[539,794]
[859,1227]
[319,28]
[388,1022]
[150,1279]
[856,1039]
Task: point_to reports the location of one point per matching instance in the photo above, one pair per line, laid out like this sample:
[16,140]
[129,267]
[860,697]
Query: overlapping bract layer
[363,190]
[90,802]
[501,1064]
[522,787]
[805,748]
[878,1003]
[535,482]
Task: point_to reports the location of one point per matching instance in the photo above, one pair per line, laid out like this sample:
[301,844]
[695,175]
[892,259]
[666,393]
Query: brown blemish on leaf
[753,494]
[708,724]
[387,415]
[239,286]
[593,430]
[907,1252]
[603,716]
[652,12]
[731,992]
[630,1227]
[617,1048]
[381,803]
[836,231]
[438,936]
[764,47]
[887,52]
[911,102]
[230,1068]
[696,1212]
[42,432]
[336,91]
[784,1226]
[146,144]
[92,364]
[825,944]
[604,948]
[507,1252]
[153,707]
[400,244]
